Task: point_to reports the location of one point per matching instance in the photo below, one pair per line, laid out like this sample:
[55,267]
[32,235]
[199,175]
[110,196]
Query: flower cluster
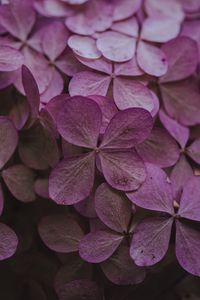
[99,143]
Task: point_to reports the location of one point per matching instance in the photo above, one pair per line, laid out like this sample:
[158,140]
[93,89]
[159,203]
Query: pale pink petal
[79,24]
[128,93]
[125,9]
[84,46]
[88,83]
[101,64]
[53,8]
[10,59]
[129,27]
[116,46]
[129,68]
[151,59]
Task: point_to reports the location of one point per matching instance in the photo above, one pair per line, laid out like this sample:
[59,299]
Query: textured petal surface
[194,150]
[182,63]
[60,233]
[20,181]
[127,129]
[129,68]
[116,46]
[8,140]
[151,241]
[126,9]
[72,179]
[160,30]
[151,59]
[79,122]
[113,209]
[120,268]
[123,170]
[100,64]
[128,93]
[181,101]
[179,132]
[129,27]
[155,193]
[8,242]
[10,59]
[88,83]
[187,248]
[84,46]
[98,246]
[190,200]
[159,149]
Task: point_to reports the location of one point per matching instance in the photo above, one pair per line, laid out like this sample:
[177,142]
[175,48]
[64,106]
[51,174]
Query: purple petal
[121,270]
[190,204]
[167,8]
[84,46]
[179,132]
[129,68]
[129,27]
[54,40]
[187,248]
[194,150]
[159,29]
[10,59]
[1,199]
[52,8]
[159,149]
[80,289]
[125,9]
[180,174]
[156,105]
[8,242]
[68,63]
[127,128]
[98,246]
[113,209]
[72,179]
[182,63]
[79,24]
[151,241]
[151,59]
[31,91]
[181,101]
[38,148]
[41,187]
[100,64]
[155,193]
[19,112]
[86,207]
[60,233]
[20,181]
[79,122]
[123,170]
[128,93]
[54,105]
[88,83]
[8,140]
[191,29]
[116,46]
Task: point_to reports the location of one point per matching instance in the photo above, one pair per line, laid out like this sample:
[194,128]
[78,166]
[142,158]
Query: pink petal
[191,29]
[151,59]
[127,128]
[116,46]
[60,233]
[181,101]
[129,68]
[54,39]
[10,59]
[52,8]
[86,207]
[31,91]
[194,150]
[129,27]
[88,83]
[166,8]
[179,132]
[84,46]
[159,149]
[125,9]
[72,179]
[38,148]
[156,105]
[180,174]
[101,64]
[113,209]
[20,181]
[8,140]
[8,242]
[79,122]
[130,94]
[123,170]
[79,24]
[1,199]
[98,246]
[187,248]
[159,29]
[182,63]
[74,2]
[68,64]
[121,270]
[151,241]
[190,204]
